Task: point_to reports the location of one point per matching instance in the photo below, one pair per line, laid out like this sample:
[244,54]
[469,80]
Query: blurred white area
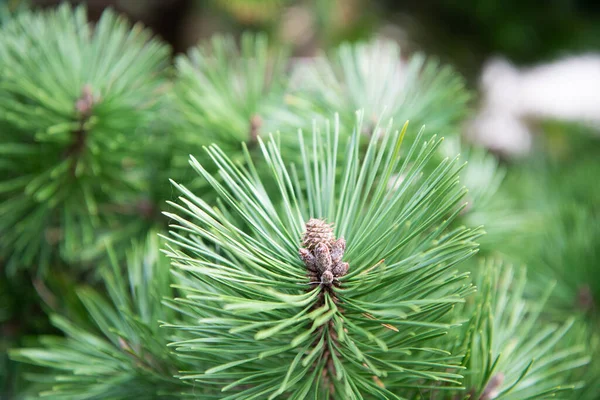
[513,98]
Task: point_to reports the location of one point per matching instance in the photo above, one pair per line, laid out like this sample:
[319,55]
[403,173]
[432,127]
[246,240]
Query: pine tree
[314,251]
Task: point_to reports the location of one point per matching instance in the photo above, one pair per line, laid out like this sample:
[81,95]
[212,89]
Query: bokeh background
[463,33]
[485,41]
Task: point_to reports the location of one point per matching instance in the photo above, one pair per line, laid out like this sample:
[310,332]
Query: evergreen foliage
[504,220]
[374,77]
[511,352]
[73,99]
[310,257]
[225,92]
[573,238]
[369,332]
[120,353]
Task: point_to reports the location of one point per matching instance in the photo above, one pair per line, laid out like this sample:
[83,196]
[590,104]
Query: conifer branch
[224,93]
[375,78]
[371,331]
[67,129]
[511,351]
[121,353]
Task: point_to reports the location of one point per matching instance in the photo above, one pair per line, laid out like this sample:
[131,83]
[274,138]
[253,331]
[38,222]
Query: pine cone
[317,231]
[322,253]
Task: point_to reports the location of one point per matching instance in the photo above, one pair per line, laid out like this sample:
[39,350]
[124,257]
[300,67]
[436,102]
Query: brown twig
[83,106]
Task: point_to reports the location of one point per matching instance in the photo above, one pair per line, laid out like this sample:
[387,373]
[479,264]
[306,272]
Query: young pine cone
[322,253]
[317,231]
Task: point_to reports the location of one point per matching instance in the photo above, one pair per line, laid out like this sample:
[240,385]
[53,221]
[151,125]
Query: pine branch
[123,354]
[374,77]
[224,93]
[511,351]
[70,107]
[572,239]
[507,224]
[367,331]
[586,333]
[221,94]
[556,187]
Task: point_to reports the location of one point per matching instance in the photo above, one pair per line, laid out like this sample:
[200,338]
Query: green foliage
[511,352]
[587,334]
[67,132]
[248,286]
[573,238]
[553,185]
[506,224]
[223,92]
[92,126]
[8,8]
[122,353]
[372,76]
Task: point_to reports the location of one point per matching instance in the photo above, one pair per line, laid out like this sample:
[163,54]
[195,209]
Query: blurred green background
[463,33]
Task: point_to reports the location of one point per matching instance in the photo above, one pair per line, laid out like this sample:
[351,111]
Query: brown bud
[317,231]
[492,389]
[340,269]
[327,278]
[309,260]
[86,101]
[585,298]
[255,124]
[337,250]
[323,258]
[322,253]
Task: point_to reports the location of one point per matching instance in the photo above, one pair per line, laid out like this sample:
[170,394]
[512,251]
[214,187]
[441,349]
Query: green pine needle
[223,93]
